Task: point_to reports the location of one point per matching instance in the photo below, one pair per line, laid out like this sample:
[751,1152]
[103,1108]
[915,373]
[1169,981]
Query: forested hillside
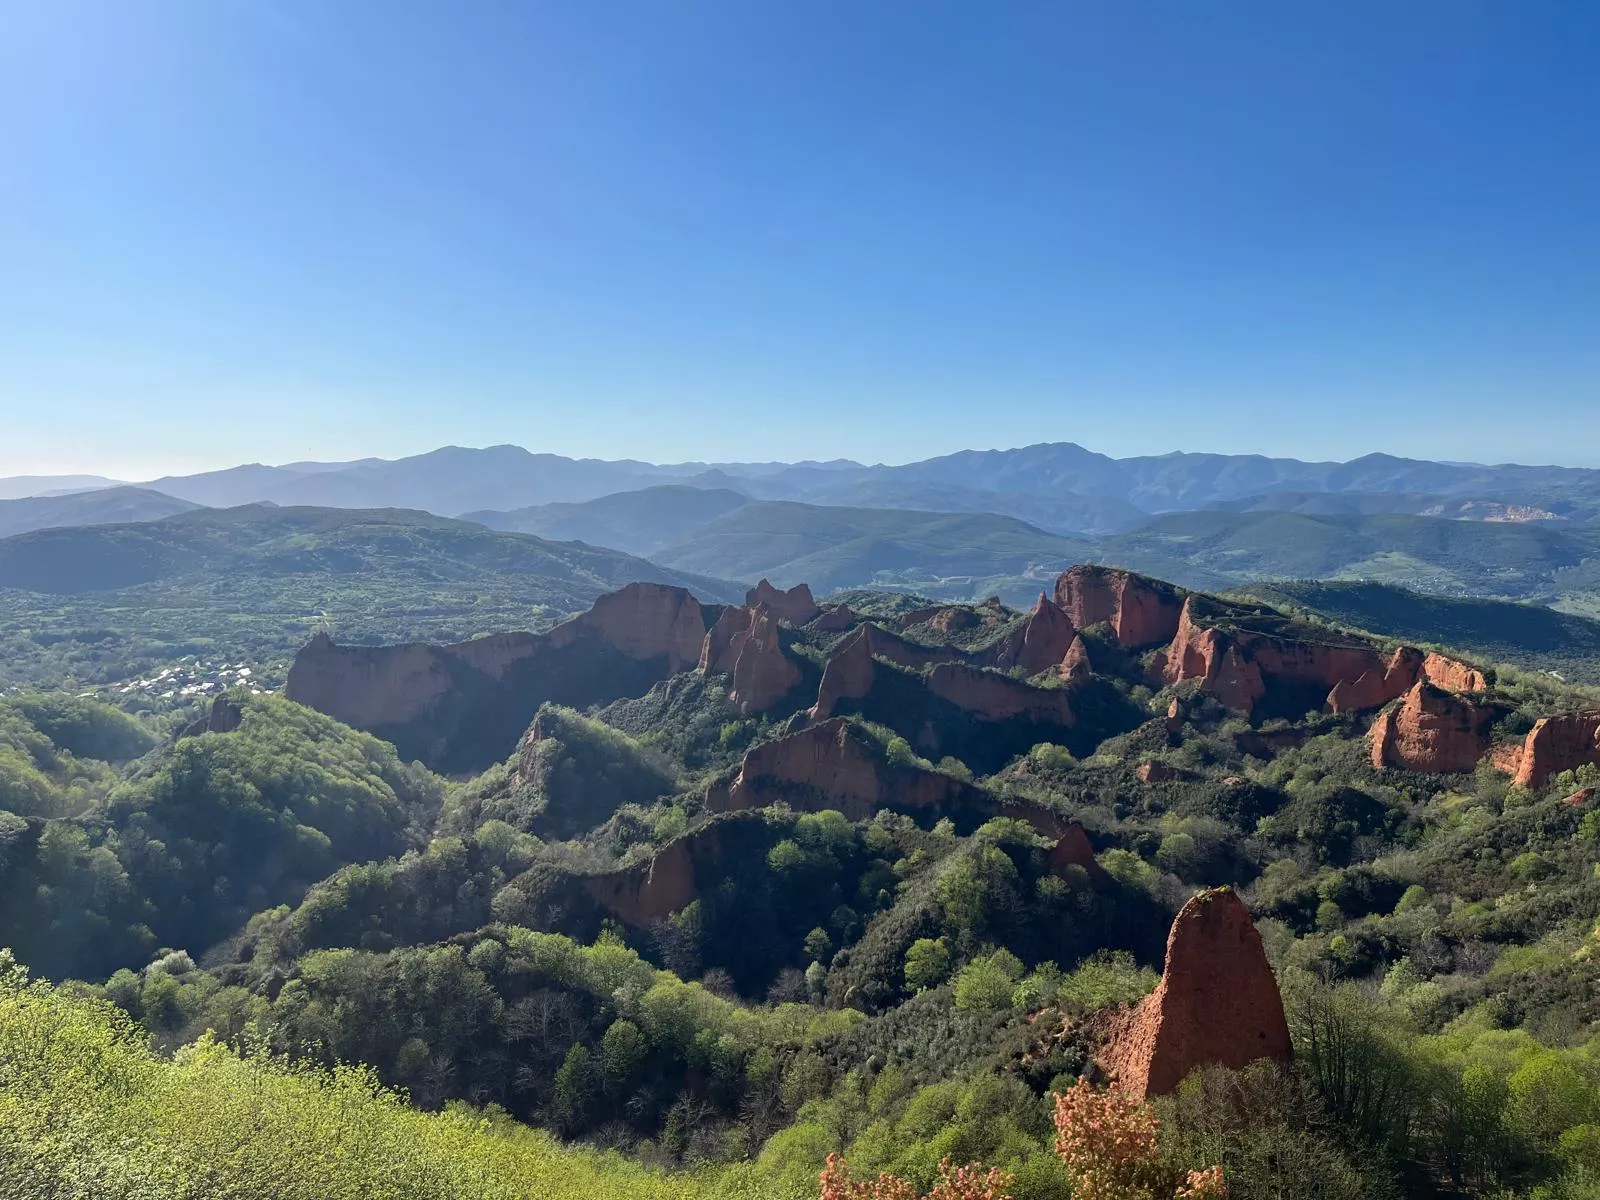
[872,882]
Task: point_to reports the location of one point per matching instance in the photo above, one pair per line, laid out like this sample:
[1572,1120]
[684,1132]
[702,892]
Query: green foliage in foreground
[89,1111]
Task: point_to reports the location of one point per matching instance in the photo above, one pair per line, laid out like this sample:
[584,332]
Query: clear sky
[236,230]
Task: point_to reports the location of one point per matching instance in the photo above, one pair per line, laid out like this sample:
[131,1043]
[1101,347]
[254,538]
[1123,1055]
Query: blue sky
[236,230]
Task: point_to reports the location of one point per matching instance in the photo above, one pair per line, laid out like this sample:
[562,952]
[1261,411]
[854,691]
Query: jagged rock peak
[1217,1002]
[1432,730]
[796,606]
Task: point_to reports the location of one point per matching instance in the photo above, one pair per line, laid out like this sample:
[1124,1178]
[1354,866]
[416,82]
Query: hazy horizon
[211,467]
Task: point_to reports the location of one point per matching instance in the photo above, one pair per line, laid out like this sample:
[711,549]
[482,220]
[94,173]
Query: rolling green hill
[107,506]
[637,522]
[104,603]
[958,554]
[1533,561]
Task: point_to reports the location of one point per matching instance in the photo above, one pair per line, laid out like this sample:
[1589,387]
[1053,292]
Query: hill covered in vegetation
[105,603]
[866,879]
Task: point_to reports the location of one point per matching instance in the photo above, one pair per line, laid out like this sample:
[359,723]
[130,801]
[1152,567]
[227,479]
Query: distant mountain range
[1059,487]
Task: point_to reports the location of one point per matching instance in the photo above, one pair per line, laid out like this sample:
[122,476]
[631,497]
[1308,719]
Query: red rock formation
[1579,798]
[372,686]
[1040,643]
[1375,688]
[1507,757]
[1173,722]
[990,696]
[833,765]
[1238,666]
[835,619]
[1560,743]
[1073,849]
[1142,611]
[654,891]
[847,674]
[795,606]
[1217,1002]
[943,618]
[643,620]
[1159,772]
[720,648]
[762,673]
[1076,664]
[1453,675]
[1432,730]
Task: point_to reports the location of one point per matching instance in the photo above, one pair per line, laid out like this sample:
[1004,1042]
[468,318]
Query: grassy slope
[90,1111]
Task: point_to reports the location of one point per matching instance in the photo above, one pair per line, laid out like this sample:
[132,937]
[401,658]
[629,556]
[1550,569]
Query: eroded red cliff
[833,764]
[762,672]
[991,696]
[1217,1002]
[1432,730]
[1040,643]
[1560,743]
[796,606]
[1141,611]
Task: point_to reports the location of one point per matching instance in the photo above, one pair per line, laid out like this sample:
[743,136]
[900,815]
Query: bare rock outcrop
[833,764]
[643,621]
[224,717]
[1374,688]
[1041,642]
[1560,743]
[460,707]
[1218,1002]
[371,687]
[762,672]
[1142,611]
[990,696]
[720,648]
[1160,772]
[834,620]
[1432,730]
[1453,675]
[1075,664]
[1073,849]
[1239,666]
[796,606]
[847,674]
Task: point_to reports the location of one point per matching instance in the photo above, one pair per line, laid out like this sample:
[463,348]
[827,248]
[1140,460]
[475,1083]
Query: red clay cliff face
[847,674]
[990,696]
[1239,667]
[1555,744]
[1375,688]
[370,686]
[1432,730]
[1076,663]
[796,606]
[762,672]
[643,620]
[1142,612]
[720,649]
[832,765]
[836,619]
[1453,675]
[1217,1002]
[1041,642]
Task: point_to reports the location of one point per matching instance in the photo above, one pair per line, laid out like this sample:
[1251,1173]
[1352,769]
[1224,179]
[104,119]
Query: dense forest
[253,952]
